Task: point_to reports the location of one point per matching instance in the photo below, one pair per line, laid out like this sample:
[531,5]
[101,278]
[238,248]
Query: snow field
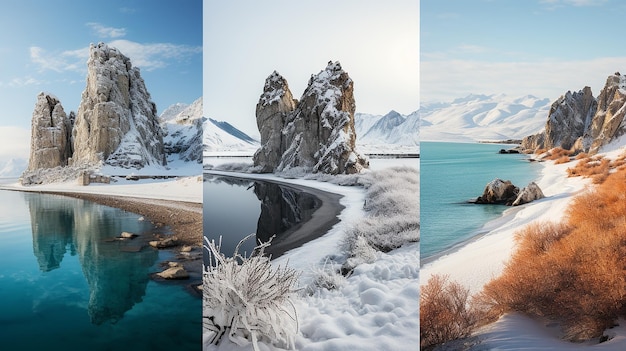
[374,308]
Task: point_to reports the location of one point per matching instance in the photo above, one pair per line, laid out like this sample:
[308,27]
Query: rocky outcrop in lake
[117,121]
[314,134]
[581,123]
[504,192]
[51,132]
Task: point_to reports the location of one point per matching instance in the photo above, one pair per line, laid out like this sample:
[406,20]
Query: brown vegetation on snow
[445,313]
[573,272]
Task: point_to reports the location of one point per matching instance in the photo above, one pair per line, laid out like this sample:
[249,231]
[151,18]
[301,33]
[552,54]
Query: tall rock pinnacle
[116,122]
[316,133]
[50,143]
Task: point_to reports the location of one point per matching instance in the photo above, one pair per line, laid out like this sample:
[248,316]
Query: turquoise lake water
[65,285]
[453,173]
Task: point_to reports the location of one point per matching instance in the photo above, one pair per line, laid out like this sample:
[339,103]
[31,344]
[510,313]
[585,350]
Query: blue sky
[377,43]
[44,47]
[538,47]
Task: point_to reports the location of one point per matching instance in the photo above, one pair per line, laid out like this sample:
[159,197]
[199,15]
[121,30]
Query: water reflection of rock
[282,210]
[117,277]
[52,231]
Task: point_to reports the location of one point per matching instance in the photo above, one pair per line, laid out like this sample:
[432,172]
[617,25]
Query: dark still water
[235,207]
[66,284]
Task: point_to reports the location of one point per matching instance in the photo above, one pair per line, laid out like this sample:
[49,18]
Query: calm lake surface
[65,284]
[236,207]
[452,174]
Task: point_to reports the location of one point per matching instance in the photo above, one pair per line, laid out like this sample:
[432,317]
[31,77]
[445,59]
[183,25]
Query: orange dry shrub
[540,151]
[557,153]
[562,159]
[445,313]
[573,272]
[596,168]
[581,155]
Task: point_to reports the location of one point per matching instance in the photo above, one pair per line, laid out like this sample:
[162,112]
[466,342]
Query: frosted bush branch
[248,299]
[392,220]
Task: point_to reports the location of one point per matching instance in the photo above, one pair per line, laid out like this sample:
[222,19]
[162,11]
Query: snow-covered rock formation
[51,131]
[183,131]
[316,133]
[580,122]
[116,121]
[272,112]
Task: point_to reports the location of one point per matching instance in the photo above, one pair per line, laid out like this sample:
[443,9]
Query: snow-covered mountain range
[223,139]
[483,118]
[182,126]
[390,133]
[13,168]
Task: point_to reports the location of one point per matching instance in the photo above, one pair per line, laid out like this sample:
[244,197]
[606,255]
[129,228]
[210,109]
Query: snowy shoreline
[482,258]
[478,261]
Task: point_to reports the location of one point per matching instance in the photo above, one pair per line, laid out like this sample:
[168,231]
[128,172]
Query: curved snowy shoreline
[482,259]
[348,206]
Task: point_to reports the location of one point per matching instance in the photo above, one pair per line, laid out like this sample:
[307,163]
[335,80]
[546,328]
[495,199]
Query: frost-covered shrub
[242,167]
[247,299]
[392,208]
[326,277]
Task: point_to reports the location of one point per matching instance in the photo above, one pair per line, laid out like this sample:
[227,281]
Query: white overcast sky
[538,47]
[377,43]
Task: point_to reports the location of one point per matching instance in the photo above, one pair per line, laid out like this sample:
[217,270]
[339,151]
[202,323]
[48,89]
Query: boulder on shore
[528,194]
[498,191]
[503,192]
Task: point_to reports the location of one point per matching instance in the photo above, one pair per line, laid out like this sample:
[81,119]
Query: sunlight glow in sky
[44,46]
[377,43]
[539,47]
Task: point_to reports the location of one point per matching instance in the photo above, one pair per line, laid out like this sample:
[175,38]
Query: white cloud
[25,81]
[146,56]
[153,56]
[106,32]
[445,80]
[557,3]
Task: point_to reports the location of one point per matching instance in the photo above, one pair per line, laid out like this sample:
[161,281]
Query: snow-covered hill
[391,133]
[483,117]
[183,132]
[223,139]
[13,168]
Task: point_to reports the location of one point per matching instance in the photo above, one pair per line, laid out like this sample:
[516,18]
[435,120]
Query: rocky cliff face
[580,122]
[316,133]
[568,120]
[116,122]
[50,143]
[608,122]
[274,106]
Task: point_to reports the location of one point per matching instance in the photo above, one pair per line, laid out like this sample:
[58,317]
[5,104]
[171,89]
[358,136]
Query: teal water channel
[67,284]
[452,174]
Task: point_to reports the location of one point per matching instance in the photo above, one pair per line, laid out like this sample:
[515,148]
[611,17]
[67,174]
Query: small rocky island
[315,133]
[503,192]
